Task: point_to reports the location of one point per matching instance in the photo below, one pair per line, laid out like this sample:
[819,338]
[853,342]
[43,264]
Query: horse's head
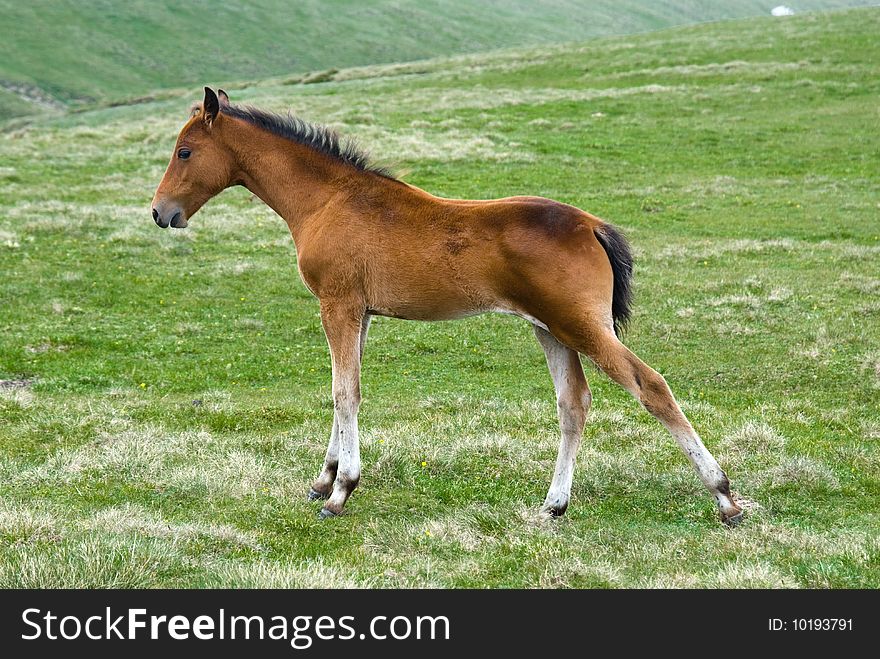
[200,166]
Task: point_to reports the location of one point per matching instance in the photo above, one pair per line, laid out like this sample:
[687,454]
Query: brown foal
[368,244]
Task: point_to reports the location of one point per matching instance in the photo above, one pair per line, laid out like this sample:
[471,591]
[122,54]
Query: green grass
[177,402]
[79,52]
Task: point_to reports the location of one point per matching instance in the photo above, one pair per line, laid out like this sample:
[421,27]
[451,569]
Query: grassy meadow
[165,395]
[62,54]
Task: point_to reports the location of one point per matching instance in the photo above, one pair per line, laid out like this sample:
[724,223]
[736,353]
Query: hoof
[326,514]
[733,520]
[314,495]
[555,510]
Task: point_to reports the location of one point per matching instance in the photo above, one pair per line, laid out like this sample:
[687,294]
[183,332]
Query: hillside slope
[56,52]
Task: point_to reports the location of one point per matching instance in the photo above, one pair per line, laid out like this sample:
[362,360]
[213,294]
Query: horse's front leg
[344,324]
[323,485]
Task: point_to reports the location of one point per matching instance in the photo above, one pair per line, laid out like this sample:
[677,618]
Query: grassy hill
[61,52]
[165,395]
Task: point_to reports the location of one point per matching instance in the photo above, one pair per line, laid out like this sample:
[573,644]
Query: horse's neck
[293,180]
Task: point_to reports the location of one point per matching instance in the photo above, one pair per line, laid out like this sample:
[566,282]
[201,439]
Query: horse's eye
[183,154]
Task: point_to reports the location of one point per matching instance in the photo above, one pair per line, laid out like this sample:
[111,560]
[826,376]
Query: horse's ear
[210,107]
[224,98]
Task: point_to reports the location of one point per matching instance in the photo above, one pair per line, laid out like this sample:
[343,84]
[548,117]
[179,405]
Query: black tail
[620,256]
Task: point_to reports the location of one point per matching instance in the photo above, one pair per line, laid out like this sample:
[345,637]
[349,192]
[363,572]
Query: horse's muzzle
[175,218]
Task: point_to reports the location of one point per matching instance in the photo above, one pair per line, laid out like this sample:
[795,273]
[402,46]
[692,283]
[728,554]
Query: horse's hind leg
[573,400]
[651,390]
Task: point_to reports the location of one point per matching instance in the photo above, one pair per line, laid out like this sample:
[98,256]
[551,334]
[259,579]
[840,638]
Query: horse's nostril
[155,214]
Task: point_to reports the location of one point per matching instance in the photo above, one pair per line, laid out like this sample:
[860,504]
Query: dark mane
[322,139]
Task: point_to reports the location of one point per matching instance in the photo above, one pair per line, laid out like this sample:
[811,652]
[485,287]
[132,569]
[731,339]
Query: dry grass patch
[94,562]
[286,575]
[799,471]
[751,440]
[131,519]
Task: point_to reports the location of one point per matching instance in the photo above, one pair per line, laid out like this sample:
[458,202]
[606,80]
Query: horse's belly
[425,309]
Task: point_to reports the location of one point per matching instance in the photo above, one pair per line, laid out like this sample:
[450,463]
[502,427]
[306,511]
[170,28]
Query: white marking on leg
[346,336]
[325,479]
[706,466]
[346,401]
[573,400]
